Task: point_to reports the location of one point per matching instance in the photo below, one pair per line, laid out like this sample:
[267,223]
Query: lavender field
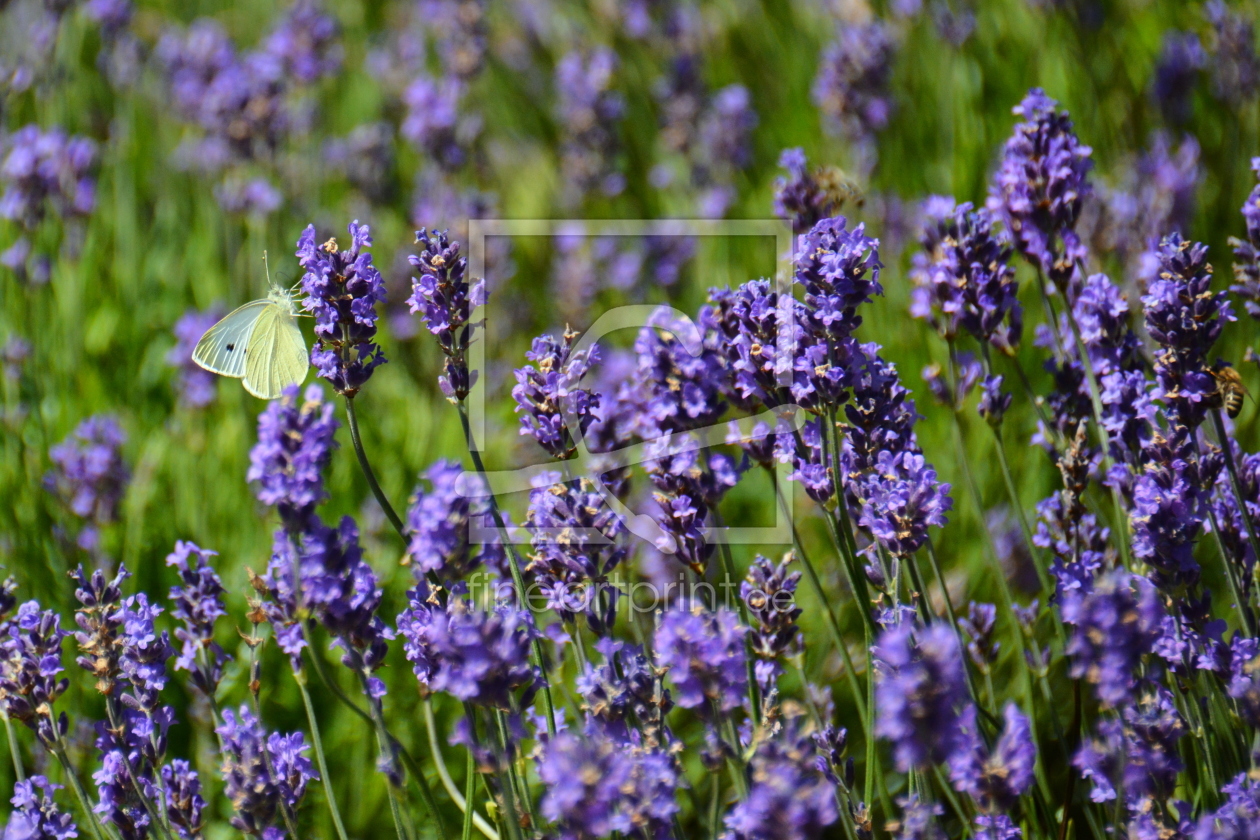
[647,419]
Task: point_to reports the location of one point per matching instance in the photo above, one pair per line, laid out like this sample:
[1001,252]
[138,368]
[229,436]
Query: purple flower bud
[1232,58]
[589,110]
[184,803]
[30,660]
[445,299]
[769,591]
[789,797]
[439,520]
[198,603]
[550,397]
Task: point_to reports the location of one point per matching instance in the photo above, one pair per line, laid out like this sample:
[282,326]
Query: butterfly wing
[222,349]
[277,356]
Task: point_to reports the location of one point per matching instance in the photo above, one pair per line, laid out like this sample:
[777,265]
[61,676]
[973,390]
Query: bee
[1229,388]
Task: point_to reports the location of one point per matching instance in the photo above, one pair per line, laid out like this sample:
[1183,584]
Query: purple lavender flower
[578,541]
[596,787]
[438,520]
[248,197]
[459,26]
[434,121]
[681,373]
[880,413]
[1244,683]
[1040,186]
[478,656]
[964,279]
[90,476]
[30,660]
[1228,517]
[920,687]
[198,603]
[789,797]
[954,394]
[851,88]
[184,802]
[994,402]
[1135,755]
[624,692]
[99,619]
[838,269]
[769,592]
[1185,318]
[342,289]
[1180,60]
[366,158]
[996,827]
[307,42]
[1167,514]
[588,110]
[445,299]
[901,498]
[1237,817]
[1114,625]
[724,148]
[43,170]
[196,385]
[1232,59]
[550,396]
[803,197]
[295,445]
[761,329]
[35,815]
[705,658]
[263,772]
[1156,195]
[118,803]
[1247,251]
[919,820]
[997,778]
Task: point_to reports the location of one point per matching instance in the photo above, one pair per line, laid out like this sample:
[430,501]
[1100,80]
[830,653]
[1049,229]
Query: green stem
[514,563]
[14,752]
[381,498]
[833,624]
[461,802]
[318,742]
[1236,485]
[728,571]
[1043,574]
[93,821]
[470,785]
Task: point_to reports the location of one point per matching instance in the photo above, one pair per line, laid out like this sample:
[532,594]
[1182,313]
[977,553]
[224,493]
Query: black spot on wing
[231,347]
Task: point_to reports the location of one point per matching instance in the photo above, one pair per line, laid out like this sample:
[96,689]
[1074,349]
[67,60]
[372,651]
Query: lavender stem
[381,498]
[300,678]
[14,753]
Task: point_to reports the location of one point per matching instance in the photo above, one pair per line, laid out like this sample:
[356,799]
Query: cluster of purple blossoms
[435,121]
[1168,512]
[445,298]
[30,660]
[703,653]
[578,541]
[1181,59]
[44,170]
[438,520]
[295,445]
[1156,195]
[681,371]
[90,476]
[198,603]
[588,110]
[995,778]
[1232,60]
[1228,517]
[1068,530]
[586,264]
[788,797]
[880,415]
[342,290]
[769,593]
[624,693]
[1040,186]
[366,158]
[851,88]
[479,656]
[963,278]
[1115,624]
[264,773]
[550,397]
[724,148]
[1185,318]
[1134,755]
[306,42]
[596,787]
[196,385]
[762,330]
[901,498]
[248,196]
[184,803]
[459,26]
[1237,817]
[35,815]
[921,688]
[1247,251]
[805,197]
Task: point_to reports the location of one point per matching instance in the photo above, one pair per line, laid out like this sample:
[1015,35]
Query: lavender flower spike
[198,604]
[262,772]
[548,397]
[921,684]
[30,660]
[703,653]
[35,815]
[342,290]
[90,476]
[445,298]
[295,445]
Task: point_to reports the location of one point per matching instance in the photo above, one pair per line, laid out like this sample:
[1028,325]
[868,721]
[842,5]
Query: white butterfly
[259,343]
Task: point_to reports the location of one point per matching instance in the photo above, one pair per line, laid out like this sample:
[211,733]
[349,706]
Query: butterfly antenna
[267,269]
